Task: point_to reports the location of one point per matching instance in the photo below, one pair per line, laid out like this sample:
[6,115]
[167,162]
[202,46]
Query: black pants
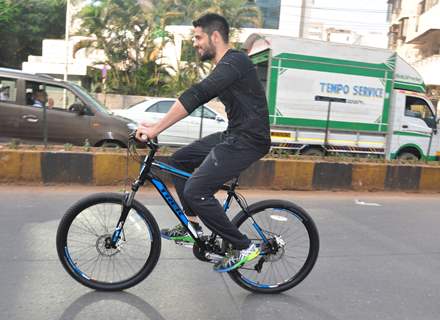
[218,159]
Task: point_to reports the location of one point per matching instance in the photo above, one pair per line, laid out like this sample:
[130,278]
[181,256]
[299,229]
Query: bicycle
[110,241]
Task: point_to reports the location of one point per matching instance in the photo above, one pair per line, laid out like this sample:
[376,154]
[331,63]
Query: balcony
[427,26]
[428,68]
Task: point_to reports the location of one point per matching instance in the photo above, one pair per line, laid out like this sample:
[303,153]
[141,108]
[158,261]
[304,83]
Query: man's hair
[39,92]
[211,22]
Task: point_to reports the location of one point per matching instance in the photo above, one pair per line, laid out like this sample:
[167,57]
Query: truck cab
[415,127]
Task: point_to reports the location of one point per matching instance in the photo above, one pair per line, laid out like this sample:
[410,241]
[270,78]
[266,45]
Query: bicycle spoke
[89,249]
[282,265]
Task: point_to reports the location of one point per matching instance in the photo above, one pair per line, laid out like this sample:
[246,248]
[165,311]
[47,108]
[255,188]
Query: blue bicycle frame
[146,174]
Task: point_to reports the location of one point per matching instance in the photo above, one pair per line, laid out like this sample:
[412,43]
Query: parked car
[70,113]
[183,132]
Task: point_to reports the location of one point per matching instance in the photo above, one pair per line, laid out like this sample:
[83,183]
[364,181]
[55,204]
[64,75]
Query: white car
[184,131]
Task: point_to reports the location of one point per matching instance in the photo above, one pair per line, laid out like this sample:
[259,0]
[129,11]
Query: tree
[238,13]
[131,40]
[23,26]
[132,36]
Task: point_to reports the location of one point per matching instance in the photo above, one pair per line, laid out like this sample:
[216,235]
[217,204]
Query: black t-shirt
[234,80]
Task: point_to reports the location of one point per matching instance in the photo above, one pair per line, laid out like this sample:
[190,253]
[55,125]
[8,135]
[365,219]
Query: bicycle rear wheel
[290,253]
[84,238]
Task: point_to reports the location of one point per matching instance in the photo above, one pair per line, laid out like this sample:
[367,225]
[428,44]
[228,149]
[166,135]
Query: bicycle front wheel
[288,242]
[84,243]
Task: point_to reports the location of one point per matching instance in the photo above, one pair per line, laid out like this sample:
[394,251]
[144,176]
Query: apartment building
[415,35]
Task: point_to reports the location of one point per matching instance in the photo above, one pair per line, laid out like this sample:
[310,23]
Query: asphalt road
[379,259]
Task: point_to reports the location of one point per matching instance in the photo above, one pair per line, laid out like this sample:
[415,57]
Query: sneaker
[237,259]
[179,233]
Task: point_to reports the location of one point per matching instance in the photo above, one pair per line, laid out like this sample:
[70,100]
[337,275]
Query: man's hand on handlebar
[146,131]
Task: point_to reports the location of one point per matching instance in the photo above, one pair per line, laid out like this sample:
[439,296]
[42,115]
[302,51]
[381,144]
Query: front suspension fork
[126,206]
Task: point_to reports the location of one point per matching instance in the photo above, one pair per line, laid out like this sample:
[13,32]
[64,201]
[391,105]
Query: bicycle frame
[146,174]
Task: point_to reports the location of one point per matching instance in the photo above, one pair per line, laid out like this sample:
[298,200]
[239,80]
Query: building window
[397,6]
[403,28]
[425,5]
[393,35]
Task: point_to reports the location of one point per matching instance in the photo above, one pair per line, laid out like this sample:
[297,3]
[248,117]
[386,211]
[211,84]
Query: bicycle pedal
[213,258]
[184,244]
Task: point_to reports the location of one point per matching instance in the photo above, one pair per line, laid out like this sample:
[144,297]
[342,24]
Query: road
[379,259]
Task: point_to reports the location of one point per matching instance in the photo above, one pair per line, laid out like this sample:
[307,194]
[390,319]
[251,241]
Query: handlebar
[151,143]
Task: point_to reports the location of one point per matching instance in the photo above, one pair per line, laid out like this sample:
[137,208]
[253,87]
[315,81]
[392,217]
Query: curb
[102,169]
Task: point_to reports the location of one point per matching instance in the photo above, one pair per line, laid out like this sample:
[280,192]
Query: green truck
[327,98]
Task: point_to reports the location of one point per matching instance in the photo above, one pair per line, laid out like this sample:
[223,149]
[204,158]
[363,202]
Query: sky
[359,16]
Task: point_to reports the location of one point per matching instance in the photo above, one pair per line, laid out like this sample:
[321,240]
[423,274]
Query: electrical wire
[338,9]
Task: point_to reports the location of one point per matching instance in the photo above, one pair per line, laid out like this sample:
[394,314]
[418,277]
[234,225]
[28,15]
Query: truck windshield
[419,108]
[90,99]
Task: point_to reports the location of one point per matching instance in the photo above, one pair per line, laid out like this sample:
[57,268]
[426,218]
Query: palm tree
[132,35]
[126,36]
[239,13]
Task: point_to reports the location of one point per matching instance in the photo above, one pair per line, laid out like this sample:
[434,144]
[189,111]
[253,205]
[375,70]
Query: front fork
[126,206]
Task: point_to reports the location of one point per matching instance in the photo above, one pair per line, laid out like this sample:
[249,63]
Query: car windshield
[100,107]
[139,103]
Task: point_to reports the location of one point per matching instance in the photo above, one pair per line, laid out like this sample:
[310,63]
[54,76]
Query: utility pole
[302,18]
[67,40]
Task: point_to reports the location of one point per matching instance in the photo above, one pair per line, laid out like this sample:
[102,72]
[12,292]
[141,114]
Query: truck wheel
[314,152]
[407,156]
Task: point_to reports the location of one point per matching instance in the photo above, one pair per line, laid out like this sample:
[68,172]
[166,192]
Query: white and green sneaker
[237,258]
[179,233]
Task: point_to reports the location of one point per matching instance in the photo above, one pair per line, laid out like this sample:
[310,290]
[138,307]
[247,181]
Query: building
[342,36]
[54,57]
[347,36]
[415,35]
[58,56]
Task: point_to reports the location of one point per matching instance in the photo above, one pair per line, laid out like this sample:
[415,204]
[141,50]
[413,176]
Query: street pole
[302,18]
[66,47]
[67,40]
[201,122]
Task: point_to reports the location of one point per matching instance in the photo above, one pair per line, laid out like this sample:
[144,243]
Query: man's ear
[217,37]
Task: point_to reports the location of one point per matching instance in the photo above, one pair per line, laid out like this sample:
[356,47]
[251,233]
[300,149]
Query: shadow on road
[115,304]
[281,307]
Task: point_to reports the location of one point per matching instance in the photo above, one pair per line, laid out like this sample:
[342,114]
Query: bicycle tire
[105,210]
[284,211]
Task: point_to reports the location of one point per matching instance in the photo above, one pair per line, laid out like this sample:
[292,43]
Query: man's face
[41,96]
[203,44]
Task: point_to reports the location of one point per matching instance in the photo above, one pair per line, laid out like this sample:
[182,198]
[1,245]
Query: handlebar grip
[152,143]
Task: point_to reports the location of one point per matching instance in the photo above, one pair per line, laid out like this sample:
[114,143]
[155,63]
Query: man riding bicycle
[219,157]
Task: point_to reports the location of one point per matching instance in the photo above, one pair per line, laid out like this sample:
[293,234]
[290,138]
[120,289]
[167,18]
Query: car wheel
[112,144]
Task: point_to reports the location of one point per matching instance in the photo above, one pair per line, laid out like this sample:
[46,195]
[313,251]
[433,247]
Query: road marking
[362,203]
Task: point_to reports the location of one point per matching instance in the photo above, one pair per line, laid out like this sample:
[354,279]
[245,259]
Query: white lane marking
[362,203]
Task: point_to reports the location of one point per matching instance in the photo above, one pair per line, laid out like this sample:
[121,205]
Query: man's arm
[222,77]
[176,113]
